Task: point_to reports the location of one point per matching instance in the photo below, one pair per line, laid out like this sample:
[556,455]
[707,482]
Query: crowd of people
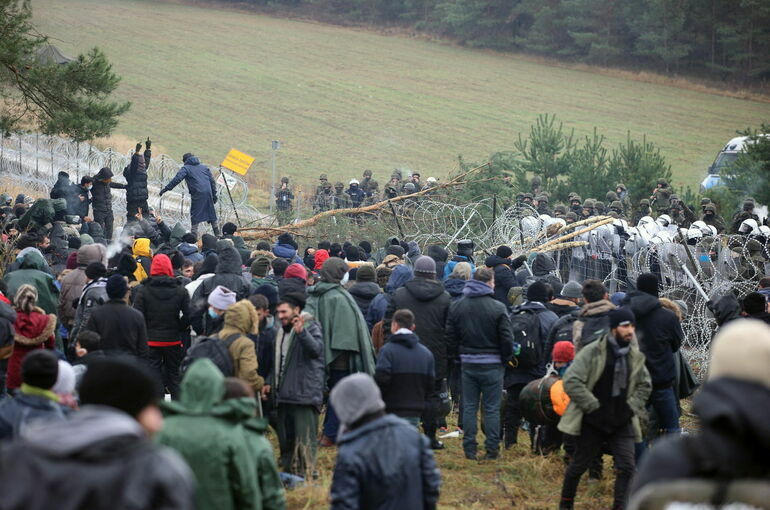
[147,372]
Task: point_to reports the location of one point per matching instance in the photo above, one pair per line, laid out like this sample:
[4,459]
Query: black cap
[40,368]
[119,382]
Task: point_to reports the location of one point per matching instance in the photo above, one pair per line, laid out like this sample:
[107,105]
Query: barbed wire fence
[717,264]
[33,161]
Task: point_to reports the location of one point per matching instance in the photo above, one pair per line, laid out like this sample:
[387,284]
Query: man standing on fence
[203,192]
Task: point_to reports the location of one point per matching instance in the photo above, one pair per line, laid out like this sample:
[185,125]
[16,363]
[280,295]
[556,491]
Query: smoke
[120,242]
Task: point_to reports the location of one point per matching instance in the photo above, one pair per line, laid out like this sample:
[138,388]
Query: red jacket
[33,331]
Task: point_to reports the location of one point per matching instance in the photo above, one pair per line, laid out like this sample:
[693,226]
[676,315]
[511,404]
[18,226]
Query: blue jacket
[379,305]
[450,266]
[385,464]
[202,188]
[25,410]
[286,251]
[190,252]
[404,372]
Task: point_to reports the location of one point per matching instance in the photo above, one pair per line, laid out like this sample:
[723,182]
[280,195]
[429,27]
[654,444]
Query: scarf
[620,376]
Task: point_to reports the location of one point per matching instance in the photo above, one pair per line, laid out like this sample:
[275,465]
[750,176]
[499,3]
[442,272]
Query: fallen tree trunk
[263,232]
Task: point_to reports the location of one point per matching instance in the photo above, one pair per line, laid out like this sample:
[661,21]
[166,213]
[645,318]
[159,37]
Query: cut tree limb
[259,232]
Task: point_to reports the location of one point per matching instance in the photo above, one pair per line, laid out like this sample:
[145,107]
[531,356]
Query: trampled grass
[342,100]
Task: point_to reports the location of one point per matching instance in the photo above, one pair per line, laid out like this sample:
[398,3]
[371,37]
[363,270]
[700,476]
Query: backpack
[211,347]
[526,333]
[563,328]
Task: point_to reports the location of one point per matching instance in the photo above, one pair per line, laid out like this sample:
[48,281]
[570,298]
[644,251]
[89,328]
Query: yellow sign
[237,161]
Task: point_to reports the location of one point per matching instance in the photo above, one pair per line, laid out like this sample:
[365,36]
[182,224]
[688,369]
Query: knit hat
[229,228]
[537,291]
[351,254]
[620,317]
[572,290]
[83,240]
[161,266]
[119,382]
[647,283]
[295,299]
[333,270]
[366,273]
[270,292]
[65,381]
[189,238]
[95,270]
[504,252]
[260,266]
[320,257]
[117,286]
[425,265]
[617,298]
[285,238]
[73,242]
[366,245]
[563,352]
[398,251]
[279,265]
[40,368]
[222,298]
[741,350]
[296,271]
[354,397]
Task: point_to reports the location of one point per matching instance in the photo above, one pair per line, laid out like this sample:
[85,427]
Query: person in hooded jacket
[660,335]
[32,271]
[365,289]
[482,344]
[165,305]
[241,399]
[35,403]
[72,284]
[101,200]
[214,447]
[136,179]
[426,298]
[505,270]
[240,321]
[729,445]
[143,255]
[189,248]
[294,280]
[439,255]
[286,248]
[34,329]
[383,462]
[93,295]
[122,329]
[228,232]
[227,274]
[725,309]
[379,305]
[518,377]
[755,307]
[593,320]
[405,370]
[95,230]
[455,284]
[297,383]
[106,447]
[464,254]
[347,342]
[62,188]
[202,189]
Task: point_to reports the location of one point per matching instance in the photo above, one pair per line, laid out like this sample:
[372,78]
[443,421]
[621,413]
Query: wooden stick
[575,234]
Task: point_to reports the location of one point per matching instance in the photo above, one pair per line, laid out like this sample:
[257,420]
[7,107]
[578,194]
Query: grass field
[342,100]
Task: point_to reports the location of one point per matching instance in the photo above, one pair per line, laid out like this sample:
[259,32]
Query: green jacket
[344,328]
[243,412]
[32,270]
[216,448]
[584,373]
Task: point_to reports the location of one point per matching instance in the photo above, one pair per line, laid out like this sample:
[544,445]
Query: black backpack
[563,328]
[211,347]
[526,332]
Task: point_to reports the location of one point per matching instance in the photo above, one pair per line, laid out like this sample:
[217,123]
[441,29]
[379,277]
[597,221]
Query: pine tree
[70,99]
[638,166]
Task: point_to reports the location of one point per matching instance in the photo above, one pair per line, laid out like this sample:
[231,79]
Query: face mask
[345,279]
[270,322]
[89,188]
[212,313]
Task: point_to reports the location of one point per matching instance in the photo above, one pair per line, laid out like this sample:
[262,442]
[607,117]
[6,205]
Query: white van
[724,159]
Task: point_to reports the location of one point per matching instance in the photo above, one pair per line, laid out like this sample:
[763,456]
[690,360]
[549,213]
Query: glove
[139,147]
[162,191]
[215,199]
[520,259]
[147,143]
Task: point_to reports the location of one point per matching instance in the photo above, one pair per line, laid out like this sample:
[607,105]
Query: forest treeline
[720,39]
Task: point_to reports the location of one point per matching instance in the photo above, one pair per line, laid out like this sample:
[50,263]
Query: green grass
[342,100]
